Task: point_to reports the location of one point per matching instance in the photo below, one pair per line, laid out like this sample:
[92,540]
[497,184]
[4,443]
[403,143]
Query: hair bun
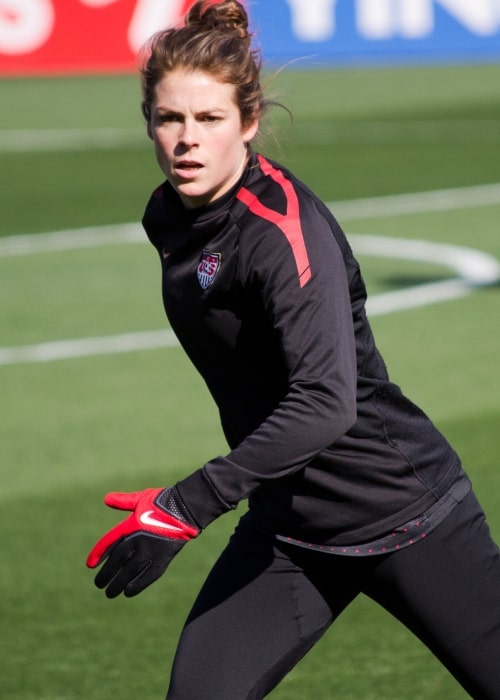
[222,15]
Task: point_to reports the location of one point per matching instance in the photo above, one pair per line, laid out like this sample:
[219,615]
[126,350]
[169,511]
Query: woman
[351,488]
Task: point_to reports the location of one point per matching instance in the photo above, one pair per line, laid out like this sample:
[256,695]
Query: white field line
[56,140]
[472,267]
[414,297]
[420,131]
[417,202]
[71,239]
[368,132]
[85,347]
[351,210]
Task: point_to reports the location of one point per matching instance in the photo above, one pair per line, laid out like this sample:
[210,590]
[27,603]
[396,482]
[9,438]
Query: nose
[189,133]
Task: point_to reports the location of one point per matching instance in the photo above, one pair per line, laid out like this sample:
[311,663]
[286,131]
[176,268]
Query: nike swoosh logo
[146,519]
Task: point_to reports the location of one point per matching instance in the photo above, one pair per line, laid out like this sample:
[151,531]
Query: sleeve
[299,273]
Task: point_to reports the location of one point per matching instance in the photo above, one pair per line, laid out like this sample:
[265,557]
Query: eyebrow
[208,110]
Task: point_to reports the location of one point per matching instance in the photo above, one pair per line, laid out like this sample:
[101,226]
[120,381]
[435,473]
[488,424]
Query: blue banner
[317,32]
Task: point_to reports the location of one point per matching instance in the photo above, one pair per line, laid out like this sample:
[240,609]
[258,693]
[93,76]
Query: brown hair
[215,39]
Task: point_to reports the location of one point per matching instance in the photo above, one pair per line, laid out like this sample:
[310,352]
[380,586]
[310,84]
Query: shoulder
[285,229]
[273,184]
[272,191]
[154,213]
[163,211]
[273,199]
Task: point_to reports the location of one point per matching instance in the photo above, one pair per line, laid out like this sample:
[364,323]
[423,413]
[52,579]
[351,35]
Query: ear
[149,130]
[250,131]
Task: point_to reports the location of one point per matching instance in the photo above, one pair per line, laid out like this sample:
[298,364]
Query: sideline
[472,268]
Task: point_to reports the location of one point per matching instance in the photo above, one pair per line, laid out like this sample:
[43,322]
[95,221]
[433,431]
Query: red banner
[79,36]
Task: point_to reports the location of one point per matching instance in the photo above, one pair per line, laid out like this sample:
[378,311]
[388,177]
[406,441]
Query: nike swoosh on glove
[139,549]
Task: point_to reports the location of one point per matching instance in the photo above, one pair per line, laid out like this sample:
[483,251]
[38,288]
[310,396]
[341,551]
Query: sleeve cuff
[201,499]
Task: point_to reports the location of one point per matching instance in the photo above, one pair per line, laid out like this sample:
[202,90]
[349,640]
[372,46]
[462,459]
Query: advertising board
[89,36]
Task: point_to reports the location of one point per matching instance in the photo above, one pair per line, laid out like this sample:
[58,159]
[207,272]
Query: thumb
[102,547]
[122,501]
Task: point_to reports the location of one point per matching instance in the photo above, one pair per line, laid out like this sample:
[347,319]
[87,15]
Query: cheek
[162,146]
[231,146]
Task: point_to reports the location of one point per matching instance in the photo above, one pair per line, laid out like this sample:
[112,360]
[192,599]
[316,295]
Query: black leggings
[265,604]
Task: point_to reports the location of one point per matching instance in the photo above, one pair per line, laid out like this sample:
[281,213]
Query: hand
[139,549]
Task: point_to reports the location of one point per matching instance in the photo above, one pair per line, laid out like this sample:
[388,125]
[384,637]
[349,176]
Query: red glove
[139,549]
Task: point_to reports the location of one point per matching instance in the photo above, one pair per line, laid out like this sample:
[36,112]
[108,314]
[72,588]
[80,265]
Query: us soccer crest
[207,268]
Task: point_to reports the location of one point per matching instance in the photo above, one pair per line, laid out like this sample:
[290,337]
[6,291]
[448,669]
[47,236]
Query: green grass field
[72,429]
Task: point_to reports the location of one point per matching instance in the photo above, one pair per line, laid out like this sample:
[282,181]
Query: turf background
[71,430]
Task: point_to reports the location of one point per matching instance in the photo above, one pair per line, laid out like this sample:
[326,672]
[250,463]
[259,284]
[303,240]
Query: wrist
[200,498]
[170,501]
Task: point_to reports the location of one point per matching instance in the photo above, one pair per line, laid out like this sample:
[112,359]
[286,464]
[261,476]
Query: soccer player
[351,489]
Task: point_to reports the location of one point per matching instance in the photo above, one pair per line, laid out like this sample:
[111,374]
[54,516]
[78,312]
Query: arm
[313,324]
[312,321]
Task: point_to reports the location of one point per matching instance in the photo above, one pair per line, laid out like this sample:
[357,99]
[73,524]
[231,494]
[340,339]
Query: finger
[154,564]
[117,559]
[133,576]
[131,580]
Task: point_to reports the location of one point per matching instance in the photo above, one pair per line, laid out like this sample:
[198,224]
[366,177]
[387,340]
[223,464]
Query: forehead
[193,89]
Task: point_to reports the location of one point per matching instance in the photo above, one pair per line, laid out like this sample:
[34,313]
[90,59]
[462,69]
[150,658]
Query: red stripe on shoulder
[289,223]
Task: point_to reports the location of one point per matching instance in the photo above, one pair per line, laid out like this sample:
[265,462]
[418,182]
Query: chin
[191,201]
[193,197]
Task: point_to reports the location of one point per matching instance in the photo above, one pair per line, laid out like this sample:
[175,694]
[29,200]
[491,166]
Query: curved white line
[473,268]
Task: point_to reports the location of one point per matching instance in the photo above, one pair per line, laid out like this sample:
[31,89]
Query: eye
[210,118]
[168,117]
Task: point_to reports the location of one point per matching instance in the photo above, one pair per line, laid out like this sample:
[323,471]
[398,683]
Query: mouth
[187,169]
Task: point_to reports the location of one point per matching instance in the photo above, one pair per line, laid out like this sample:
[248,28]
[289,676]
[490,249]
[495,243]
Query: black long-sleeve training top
[265,296]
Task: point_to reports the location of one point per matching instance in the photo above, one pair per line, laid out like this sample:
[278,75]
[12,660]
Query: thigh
[257,614]
[446,589]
